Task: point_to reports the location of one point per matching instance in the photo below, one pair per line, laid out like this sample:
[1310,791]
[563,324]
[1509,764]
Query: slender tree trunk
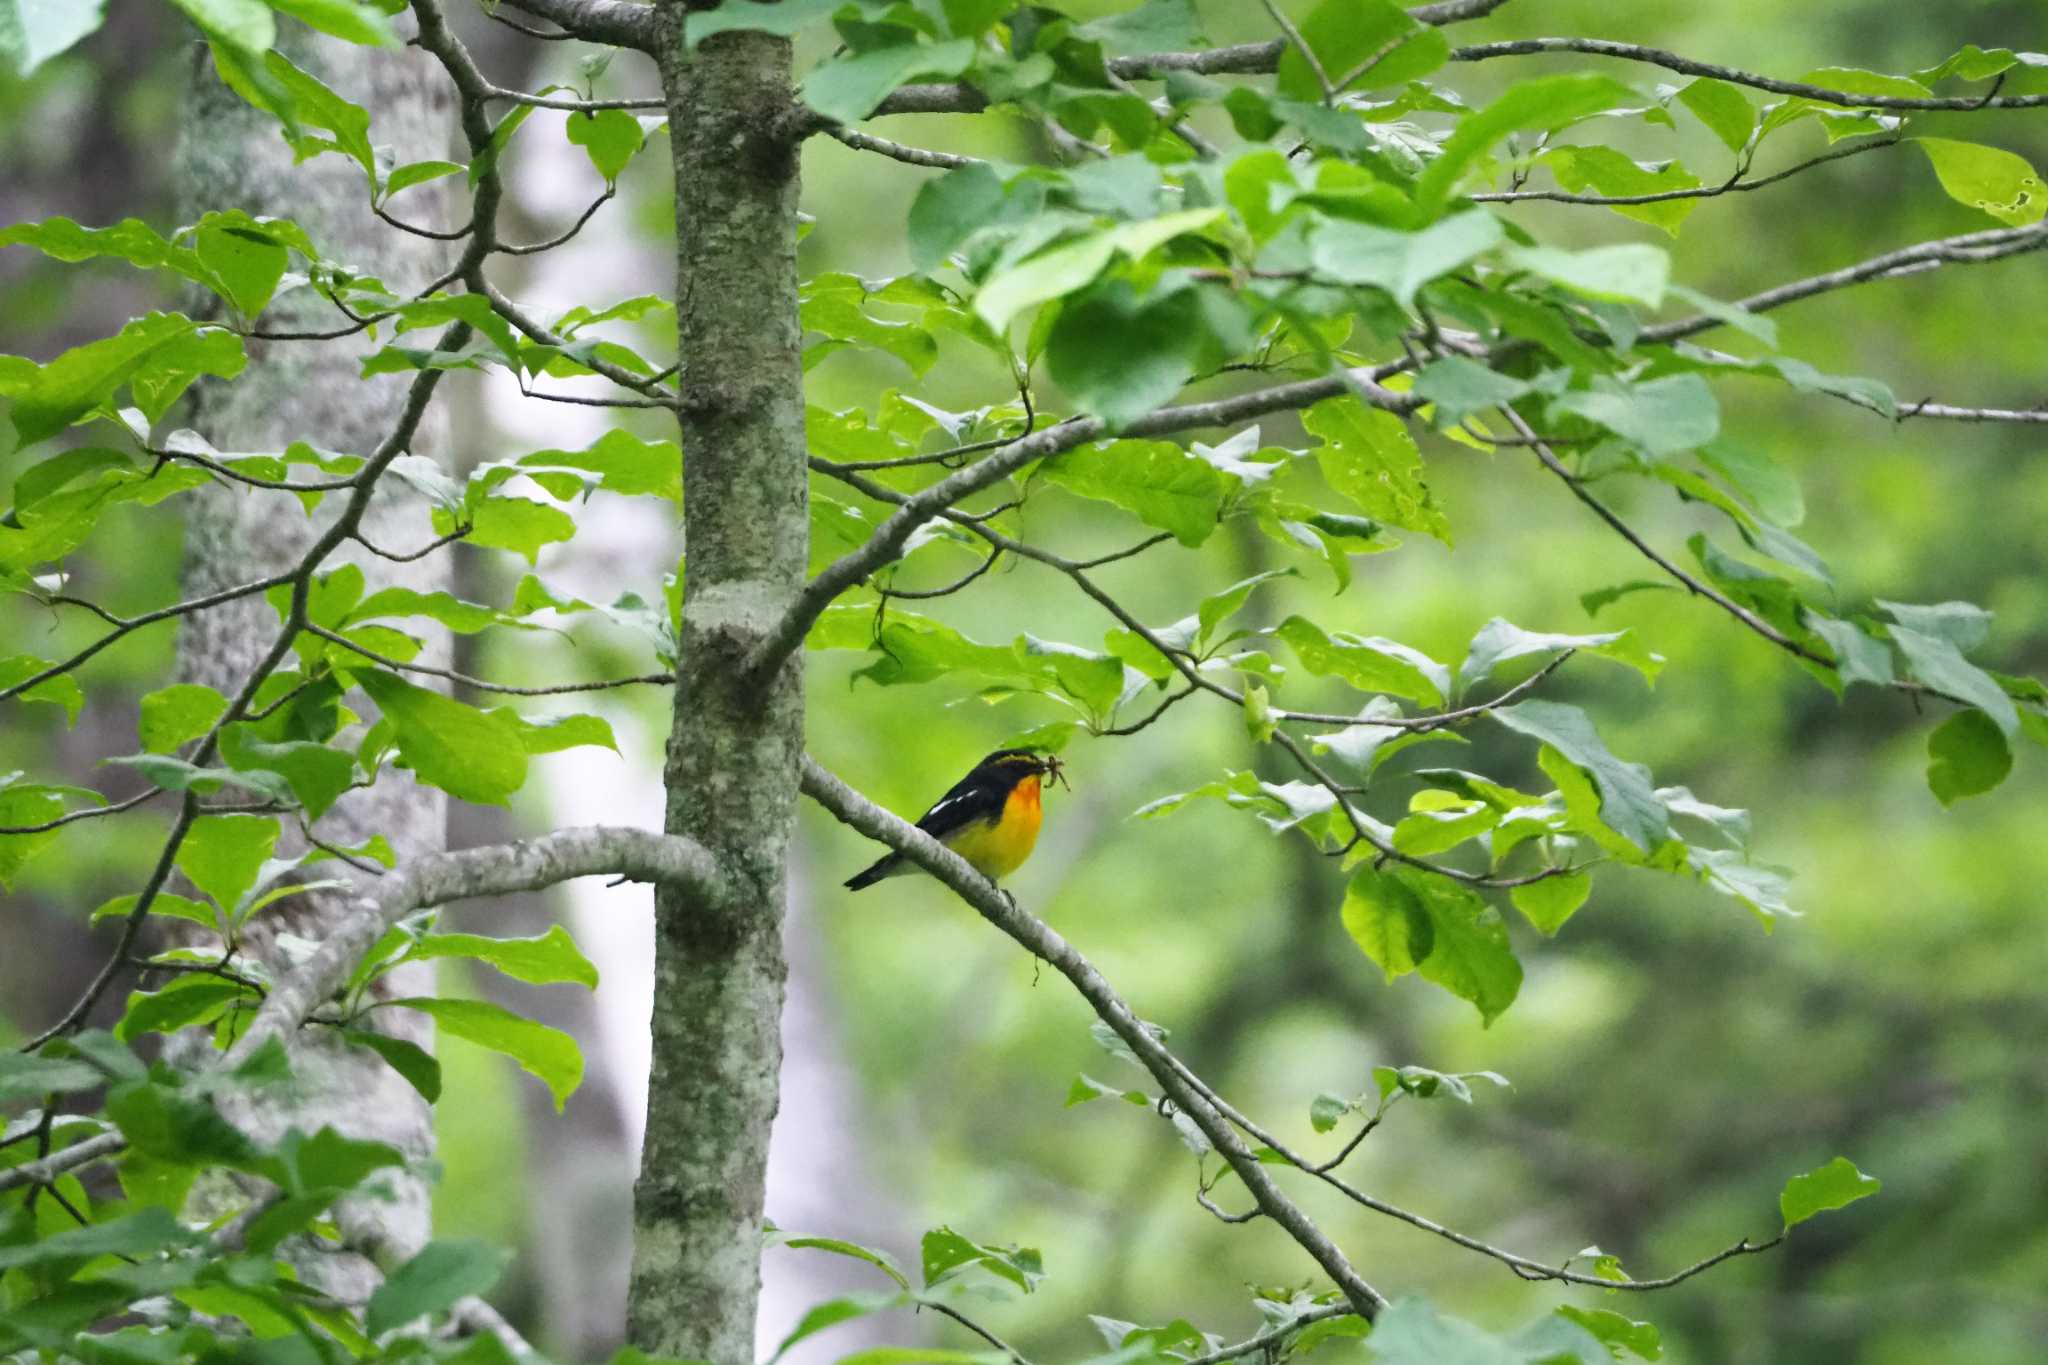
[736,742]
[232,156]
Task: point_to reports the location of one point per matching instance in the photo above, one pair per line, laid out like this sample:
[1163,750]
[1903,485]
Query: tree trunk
[231,156]
[736,741]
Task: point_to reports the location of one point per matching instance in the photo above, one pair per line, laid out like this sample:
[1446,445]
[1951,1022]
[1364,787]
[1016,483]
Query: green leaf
[542,959]
[949,210]
[173,715]
[415,1063]
[1259,724]
[556,733]
[246,264]
[1120,356]
[246,24]
[1368,456]
[48,398]
[1326,1111]
[25,1076]
[1608,173]
[223,854]
[881,1260]
[784,20]
[1346,35]
[1408,920]
[1963,624]
[848,88]
[470,754]
[505,522]
[1460,387]
[1499,641]
[1967,756]
[1663,417]
[1156,481]
[609,137]
[1547,904]
[1153,26]
[623,463]
[164,903]
[1859,656]
[1533,106]
[358,21]
[1938,663]
[1634,272]
[1401,263]
[1832,1186]
[312,102]
[2000,183]
[1724,109]
[317,774]
[1628,802]
[188,1000]
[945,1255]
[419,173]
[33,31]
[62,690]
[1615,1329]
[547,1053]
[1071,266]
[1368,663]
[140,1234]
[443,1273]
[1761,480]
[1221,606]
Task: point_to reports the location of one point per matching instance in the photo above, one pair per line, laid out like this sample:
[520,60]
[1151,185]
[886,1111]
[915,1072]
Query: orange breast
[999,847]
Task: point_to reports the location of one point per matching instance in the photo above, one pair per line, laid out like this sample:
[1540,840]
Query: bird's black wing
[974,797]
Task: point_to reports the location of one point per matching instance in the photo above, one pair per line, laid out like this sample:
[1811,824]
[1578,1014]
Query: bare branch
[1735,184]
[484,684]
[1970,248]
[599,21]
[125,625]
[493,870]
[1686,66]
[1037,938]
[46,1171]
[902,151]
[535,248]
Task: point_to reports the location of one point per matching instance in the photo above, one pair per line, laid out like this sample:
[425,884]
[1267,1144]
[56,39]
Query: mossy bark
[737,740]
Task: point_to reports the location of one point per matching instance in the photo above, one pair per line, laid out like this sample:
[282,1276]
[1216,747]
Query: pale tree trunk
[231,156]
[736,742]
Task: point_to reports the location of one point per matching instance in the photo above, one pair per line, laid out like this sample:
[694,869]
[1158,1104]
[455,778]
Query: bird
[990,817]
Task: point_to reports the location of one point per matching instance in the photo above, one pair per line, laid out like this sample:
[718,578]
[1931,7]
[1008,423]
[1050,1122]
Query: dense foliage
[1317,226]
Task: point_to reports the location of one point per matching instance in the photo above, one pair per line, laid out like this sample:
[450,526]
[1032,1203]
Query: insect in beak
[1055,772]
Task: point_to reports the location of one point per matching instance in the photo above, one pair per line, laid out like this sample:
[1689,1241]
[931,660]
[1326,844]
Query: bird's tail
[887,866]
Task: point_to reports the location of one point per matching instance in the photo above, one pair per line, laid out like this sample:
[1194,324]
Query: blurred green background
[1672,1064]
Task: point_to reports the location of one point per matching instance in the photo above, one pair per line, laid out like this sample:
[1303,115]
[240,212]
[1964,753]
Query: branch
[599,21]
[47,1170]
[1671,61]
[123,625]
[887,543]
[1042,942]
[492,870]
[1970,248]
[485,684]
[1241,59]
[899,151]
[1735,184]
[1272,1336]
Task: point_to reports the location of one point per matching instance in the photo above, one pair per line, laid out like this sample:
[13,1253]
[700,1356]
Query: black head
[1014,764]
